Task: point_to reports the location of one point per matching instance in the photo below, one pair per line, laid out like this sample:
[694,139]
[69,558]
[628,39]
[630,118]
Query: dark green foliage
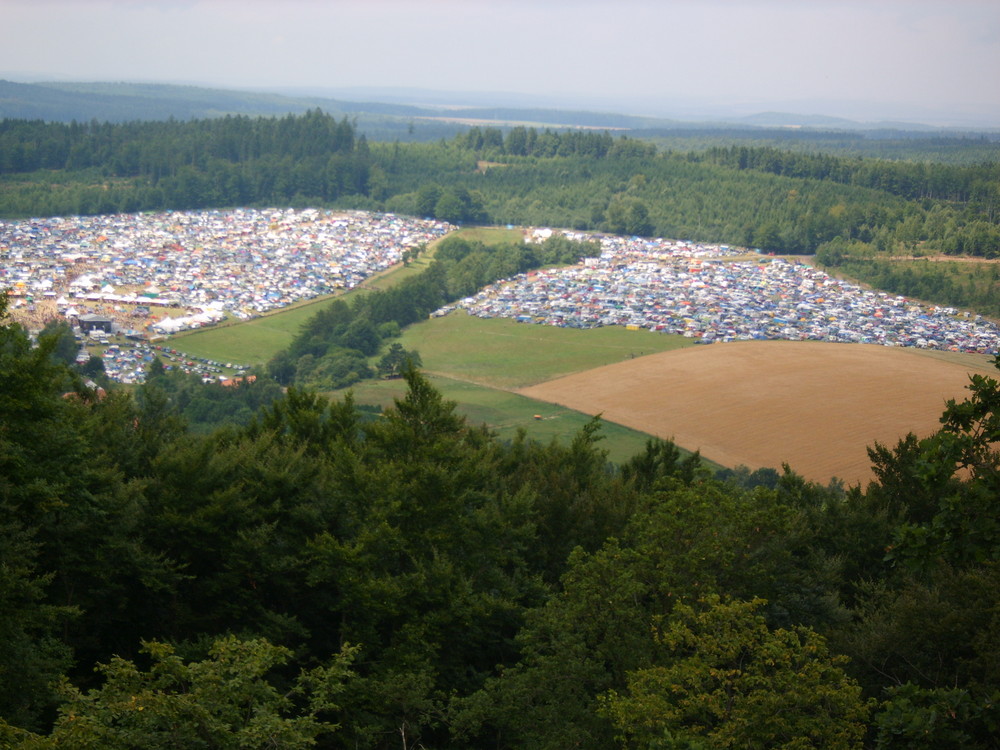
[93,368]
[67,515]
[458,206]
[728,680]
[64,346]
[486,594]
[925,719]
[130,431]
[935,631]
[207,406]
[747,479]
[661,461]
[685,541]
[229,161]
[227,700]
[232,512]
[559,250]
[32,656]
[913,180]
[362,336]
[339,367]
[397,360]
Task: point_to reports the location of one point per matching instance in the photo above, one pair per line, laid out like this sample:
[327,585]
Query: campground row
[189,269]
[161,273]
[714,294]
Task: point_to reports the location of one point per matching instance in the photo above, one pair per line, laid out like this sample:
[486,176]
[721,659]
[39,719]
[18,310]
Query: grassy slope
[251,343]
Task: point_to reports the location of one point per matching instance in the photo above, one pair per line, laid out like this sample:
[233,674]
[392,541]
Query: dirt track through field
[813,405]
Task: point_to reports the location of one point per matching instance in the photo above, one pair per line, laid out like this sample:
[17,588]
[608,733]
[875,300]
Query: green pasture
[472,361]
[506,354]
[505,413]
[253,342]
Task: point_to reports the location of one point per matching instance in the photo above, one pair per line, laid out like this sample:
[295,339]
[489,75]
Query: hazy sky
[932,60]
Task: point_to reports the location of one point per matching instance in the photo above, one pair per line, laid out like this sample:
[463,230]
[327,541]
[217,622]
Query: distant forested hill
[130,102]
[768,198]
[848,210]
[420,120]
[134,102]
[125,102]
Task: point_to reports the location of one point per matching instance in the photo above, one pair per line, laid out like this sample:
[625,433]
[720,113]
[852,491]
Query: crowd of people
[717,293]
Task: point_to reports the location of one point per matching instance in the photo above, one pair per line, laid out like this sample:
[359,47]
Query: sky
[934,61]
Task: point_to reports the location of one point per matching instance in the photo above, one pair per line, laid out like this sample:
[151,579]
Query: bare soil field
[815,406]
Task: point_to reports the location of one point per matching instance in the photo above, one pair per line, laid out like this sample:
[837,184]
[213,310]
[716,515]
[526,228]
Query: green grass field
[252,342]
[504,413]
[474,362]
[505,354]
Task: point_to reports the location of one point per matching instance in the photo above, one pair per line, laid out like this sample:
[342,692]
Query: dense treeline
[972,286]
[314,576]
[157,149]
[914,180]
[893,145]
[228,161]
[205,406]
[960,205]
[333,347]
[761,197]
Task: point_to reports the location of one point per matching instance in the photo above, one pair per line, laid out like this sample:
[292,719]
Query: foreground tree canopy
[315,577]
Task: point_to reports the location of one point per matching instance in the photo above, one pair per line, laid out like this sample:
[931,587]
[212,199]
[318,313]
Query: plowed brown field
[815,406]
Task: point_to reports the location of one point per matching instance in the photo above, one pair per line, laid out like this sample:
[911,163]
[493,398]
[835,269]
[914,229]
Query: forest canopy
[756,196]
[317,576]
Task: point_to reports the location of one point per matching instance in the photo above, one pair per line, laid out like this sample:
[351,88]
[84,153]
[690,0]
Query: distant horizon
[931,62]
[682,111]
